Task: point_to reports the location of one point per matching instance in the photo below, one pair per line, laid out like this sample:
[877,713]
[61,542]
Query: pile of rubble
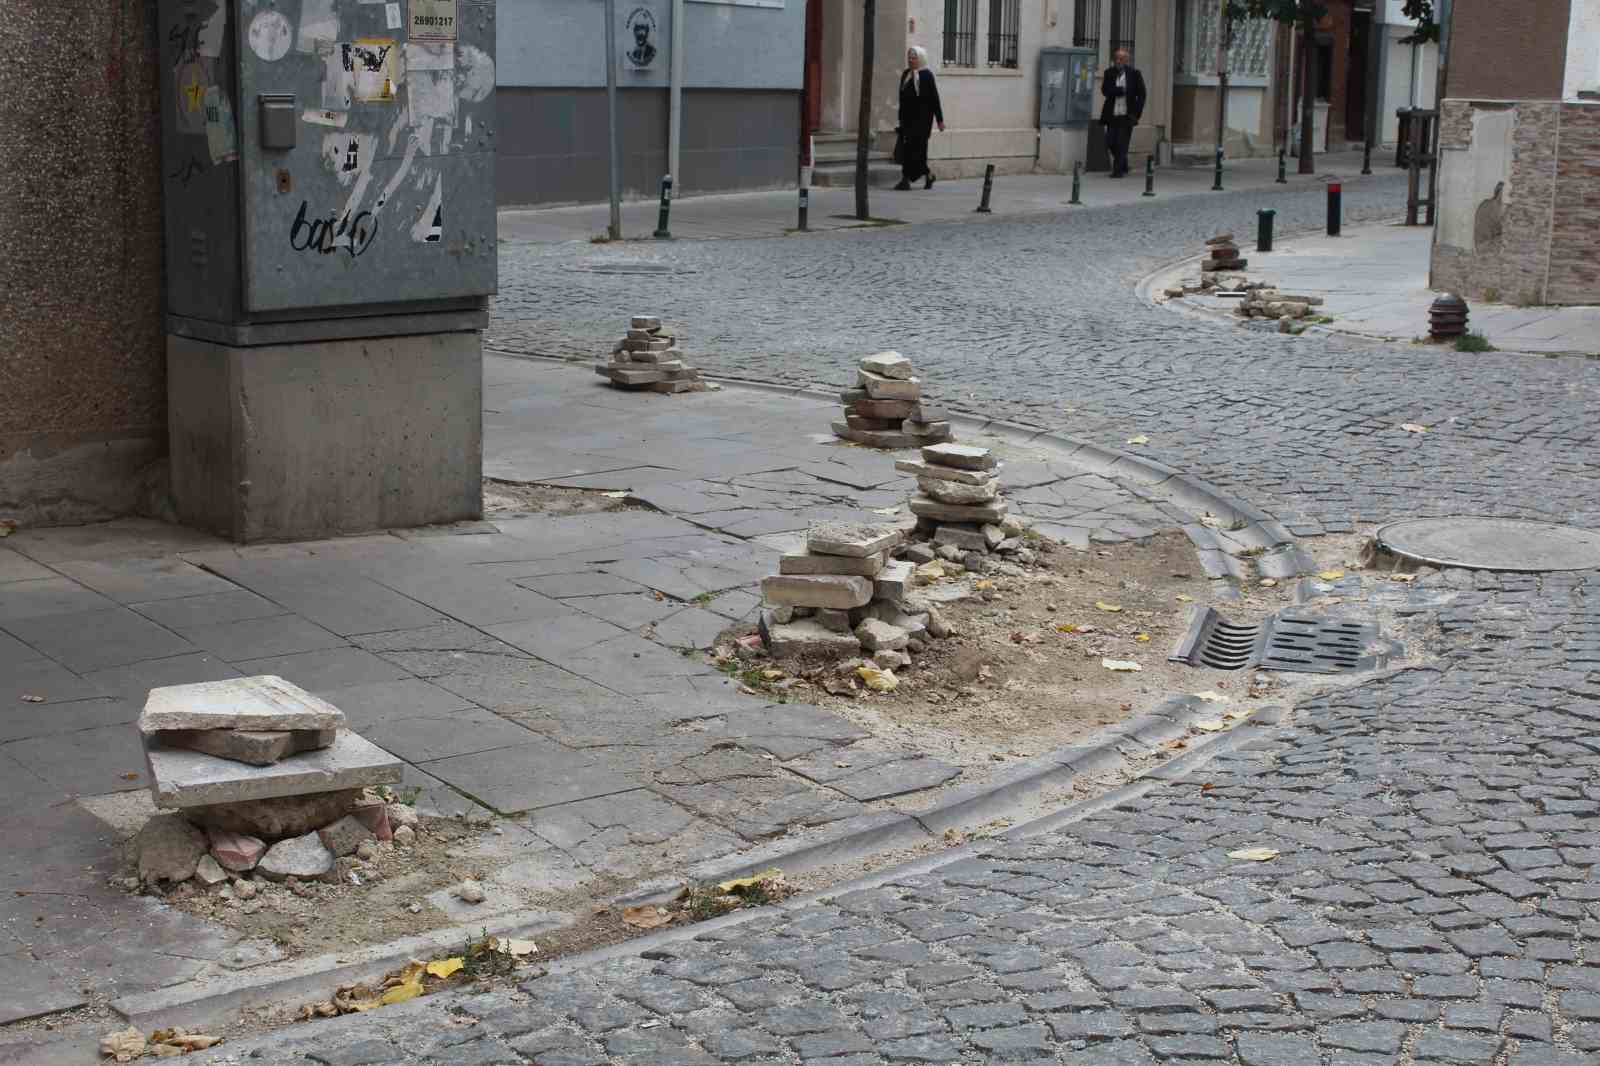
[1222,255]
[266,781]
[649,358]
[885,409]
[846,594]
[1267,302]
[960,512]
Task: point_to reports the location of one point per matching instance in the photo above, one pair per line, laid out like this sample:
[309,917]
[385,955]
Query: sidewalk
[770,214]
[1374,283]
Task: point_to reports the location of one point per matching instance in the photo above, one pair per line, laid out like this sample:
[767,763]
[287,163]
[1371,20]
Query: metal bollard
[1366,158]
[988,187]
[1077,183]
[1283,166]
[1150,175]
[662,233]
[1264,219]
[1335,195]
[1216,183]
[805,206]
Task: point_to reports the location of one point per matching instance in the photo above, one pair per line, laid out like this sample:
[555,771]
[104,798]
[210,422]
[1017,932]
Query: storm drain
[1287,641]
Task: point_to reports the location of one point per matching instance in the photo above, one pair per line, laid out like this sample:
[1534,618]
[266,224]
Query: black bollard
[662,233]
[1077,183]
[1264,219]
[1283,169]
[988,187]
[1150,175]
[1216,182]
[805,206]
[1366,158]
[1334,197]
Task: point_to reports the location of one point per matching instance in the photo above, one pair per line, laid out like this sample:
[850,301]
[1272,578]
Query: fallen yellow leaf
[1140,439]
[1110,608]
[645,916]
[878,680]
[1412,427]
[445,967]
[739,884]
[772,675]
[1254,854]
[1182,598]
[1211,697]
[1071,627]
[1142,638]
[983,583]
[1330,575]
[400,993]
[1402,577]
[1122,666]
[1269,582]
[1211,725]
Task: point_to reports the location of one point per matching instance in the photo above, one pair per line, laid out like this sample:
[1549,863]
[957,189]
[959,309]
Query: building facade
[1519,153]
[741,79]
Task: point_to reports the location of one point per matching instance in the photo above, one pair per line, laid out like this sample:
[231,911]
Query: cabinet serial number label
[433,20]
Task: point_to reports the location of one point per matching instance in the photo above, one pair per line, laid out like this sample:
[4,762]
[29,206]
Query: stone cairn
[1222,255]
[1221,269]
[960,513]
[1270,303]
[649,358]
[846,594]
[264,779]
[885,409]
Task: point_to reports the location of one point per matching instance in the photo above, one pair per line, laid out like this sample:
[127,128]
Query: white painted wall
[1583,50]
[1410,78]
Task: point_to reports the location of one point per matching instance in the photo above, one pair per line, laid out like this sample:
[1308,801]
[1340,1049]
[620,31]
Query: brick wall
[1574,263]
[1507,51]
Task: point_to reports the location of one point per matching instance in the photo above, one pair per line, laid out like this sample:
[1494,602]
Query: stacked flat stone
[1222,254]
[843,595]
[649,358]
[958,505]
[885,409]
[1284,307]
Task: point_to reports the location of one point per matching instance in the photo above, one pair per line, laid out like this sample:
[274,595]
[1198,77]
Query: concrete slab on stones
[805,638]
[957,493]
[919,469]
[256,747]
[840,593]
[927,507]
[888,365]
[189,779]
[852,540]
[960,456]
[264,702]
[808,563]
[880,387]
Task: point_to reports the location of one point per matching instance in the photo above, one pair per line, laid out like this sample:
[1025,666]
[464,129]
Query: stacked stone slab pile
[845,594]
[264,778]
[1284,307]
[885,409]
[961,515]
[648,357]
[1222,254]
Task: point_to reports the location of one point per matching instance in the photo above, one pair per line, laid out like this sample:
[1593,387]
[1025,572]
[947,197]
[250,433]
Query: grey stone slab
[332,594]
[189,779]
[321,671]
[259,638]
[33,990]
[573,632]
[530,689]
[690,628]
[141,580]
[628,610]
[96,640]
[469,597]
[135,680]
[367,706]
[531,776]
[46,679]
[39,597]
[14,651]
[88,762]
[258,702]
[21,720]
[896,779]
[217,608]
[631,664]
[14,566]
[423,737]
[589,583]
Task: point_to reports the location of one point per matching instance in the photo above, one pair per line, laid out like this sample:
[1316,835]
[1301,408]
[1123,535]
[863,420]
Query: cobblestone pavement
[1036,320]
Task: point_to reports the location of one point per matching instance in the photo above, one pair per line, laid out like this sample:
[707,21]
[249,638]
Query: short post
[1216,181]
[805,207]
[663,233]
[1335,192]
[1264,219]
[1077,183]
[1150,175]
[988,187]
[1283,156]
[1366,158]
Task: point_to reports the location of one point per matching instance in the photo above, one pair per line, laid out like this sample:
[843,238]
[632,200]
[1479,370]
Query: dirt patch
[516,499]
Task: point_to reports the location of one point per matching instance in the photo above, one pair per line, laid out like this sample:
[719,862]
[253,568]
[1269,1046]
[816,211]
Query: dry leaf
[982,584]
[1121,665]
[740,884]
[1207,786]
[32,699]
[124,1045]
[645,916]
[928,573]
[1183,598]
[616,495]
[1402,577]
[953,837]
[1330,575]
[1269,582]
[1142,638]
[446,967]
[1073,627]
[1211,697]
[878,680]
[1140,439]
[886,511]
[1412,427]
[1211,725]
[772,675]
[516,948]
[1254,854]
[1109,608]
[7,527]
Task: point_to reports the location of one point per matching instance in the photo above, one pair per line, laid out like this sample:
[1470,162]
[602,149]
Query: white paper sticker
[432,95]
[326,118]
[391,12]
[318,22]
[433,20]
[430,56]
[270,34]
[220,134]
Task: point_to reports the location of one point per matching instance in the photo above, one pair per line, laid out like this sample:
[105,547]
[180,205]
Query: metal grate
[1293,643]
[1004,17]
[1086,24]
[960,33]
[1124,13]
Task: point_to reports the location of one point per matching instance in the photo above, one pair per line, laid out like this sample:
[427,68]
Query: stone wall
[82,406]
[1533,241]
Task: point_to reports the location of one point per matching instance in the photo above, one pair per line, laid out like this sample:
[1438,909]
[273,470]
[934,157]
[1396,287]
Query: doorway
[1355,83]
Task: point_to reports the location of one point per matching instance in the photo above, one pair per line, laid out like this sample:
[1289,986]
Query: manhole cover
[627,266]
[1292,642]
[1509,544]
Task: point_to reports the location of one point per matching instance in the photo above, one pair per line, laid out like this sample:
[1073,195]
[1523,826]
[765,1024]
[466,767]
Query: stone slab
[919,469]
[876,438]
[864,424]
[808,563]
[963,538]
[926,507]
[957,493]
[878,635]
[263,702]
[253,746]
[960,456]
[191,779]
[888,365]
[804,638]
[853,539]
[817,590]
[882,388]
[896,411]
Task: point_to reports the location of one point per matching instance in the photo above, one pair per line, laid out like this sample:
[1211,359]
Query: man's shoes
[903,185]
[931,179]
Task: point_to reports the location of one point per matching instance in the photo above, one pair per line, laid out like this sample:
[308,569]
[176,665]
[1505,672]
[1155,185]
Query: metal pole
[1077,183]
[615,228]
[1149,175]
[675,94]
[1224,45]
[1216,181]
[1264,219]
[1283,166]
[988,187]
[1335,195]
[805,207]
[1366,158]
[663,230]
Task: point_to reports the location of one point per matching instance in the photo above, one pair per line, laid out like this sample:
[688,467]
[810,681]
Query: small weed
[702,599]
[600,238]
[1237,524]
[1322,320]
[710,901]
[1032,536]
[1251,553]
[728,666]
[1474,342]
[1491,296]
[407,796]
[483,957]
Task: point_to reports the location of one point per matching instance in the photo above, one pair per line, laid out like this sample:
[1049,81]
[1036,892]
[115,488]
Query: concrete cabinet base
[298,441]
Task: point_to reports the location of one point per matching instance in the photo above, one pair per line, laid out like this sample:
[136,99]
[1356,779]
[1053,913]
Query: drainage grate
[1289,642]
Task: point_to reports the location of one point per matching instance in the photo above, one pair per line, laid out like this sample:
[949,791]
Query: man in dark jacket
[1123,88]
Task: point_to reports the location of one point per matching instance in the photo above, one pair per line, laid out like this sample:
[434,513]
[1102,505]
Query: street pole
[1224,46]
[675,101]
[614,230]
[869,43]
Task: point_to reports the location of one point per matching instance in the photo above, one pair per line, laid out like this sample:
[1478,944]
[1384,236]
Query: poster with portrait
[641,41]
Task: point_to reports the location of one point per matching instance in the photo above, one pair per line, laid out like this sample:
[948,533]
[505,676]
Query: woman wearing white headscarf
[919,110]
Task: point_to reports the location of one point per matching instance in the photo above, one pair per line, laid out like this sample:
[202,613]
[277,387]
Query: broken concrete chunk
[283,816]
[893,581]
[892,411]
[235,851]
[963,538]
[809,563]
[888,365]
[263,702]
[344,836]
[838,621]
[254,746]
[960,456]
[872,438]
[878,635]
[851,539]
[956,492]
[927,507]
[817,590]
[885,388]
[191,779]
[304,857]
[807,639]
[208,872]
[168,849]
[644,322]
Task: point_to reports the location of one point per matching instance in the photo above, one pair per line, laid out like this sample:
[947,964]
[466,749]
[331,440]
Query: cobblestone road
[1434,897]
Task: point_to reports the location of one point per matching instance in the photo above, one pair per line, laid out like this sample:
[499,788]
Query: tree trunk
[869,44]
[1308,103]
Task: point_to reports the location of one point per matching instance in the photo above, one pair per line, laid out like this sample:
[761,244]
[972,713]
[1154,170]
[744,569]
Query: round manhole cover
[1511,544]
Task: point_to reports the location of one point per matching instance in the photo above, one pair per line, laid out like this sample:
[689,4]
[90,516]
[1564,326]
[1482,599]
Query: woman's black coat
[919,108]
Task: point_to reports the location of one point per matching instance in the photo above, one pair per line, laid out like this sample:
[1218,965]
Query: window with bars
[1123,15]
[1086,24]
[960,33]
[1004,17]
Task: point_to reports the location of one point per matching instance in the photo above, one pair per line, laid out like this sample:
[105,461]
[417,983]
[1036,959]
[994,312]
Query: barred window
[1123,15]
[960,33]
[1004,17]
[1086,24]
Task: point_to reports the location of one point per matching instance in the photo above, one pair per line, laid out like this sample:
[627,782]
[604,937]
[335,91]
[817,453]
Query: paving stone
[191,779]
